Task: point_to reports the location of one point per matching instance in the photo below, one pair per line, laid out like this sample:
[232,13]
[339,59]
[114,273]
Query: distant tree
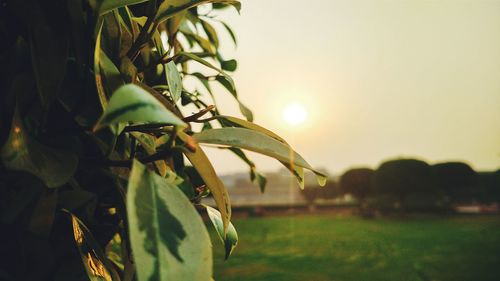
[357,182]
[313,192]
[456,180]
[401,177]
[487,188]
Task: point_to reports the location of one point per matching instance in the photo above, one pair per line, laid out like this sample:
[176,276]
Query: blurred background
[398,101]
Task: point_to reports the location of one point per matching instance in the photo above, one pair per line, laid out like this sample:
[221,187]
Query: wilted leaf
[257,142]
[21,152]
[168,237]
[230,240]
[201,163]
[131,103]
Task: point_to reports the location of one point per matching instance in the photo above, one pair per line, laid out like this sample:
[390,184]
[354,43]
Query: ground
[318,248]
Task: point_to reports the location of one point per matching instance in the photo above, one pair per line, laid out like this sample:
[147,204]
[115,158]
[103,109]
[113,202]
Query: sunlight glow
[294,114]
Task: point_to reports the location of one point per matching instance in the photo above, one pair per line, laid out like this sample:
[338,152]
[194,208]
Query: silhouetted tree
[456,180]
[401,177]
[487,188]
[357,182]
[313,192]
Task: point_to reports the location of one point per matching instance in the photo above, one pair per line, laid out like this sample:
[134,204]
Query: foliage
[329,191]
[487,188]
[96,122]
[455,179]
[357,182]
[402,177]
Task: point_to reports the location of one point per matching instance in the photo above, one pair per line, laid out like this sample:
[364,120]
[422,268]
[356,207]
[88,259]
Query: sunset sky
[377,79]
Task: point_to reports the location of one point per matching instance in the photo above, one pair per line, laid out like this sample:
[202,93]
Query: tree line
[412,185]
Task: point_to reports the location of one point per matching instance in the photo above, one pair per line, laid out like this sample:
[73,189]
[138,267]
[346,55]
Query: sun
[294,114]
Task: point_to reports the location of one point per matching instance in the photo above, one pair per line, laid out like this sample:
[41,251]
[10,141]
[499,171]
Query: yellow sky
[379,79]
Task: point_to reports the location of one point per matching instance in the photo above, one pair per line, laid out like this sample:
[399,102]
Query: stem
[145,34]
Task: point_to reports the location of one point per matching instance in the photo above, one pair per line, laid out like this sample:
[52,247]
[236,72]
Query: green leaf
[207,64]
[225,80]
[231,33]
[168,237]
[255,176]
[297,171]
[230,240]
[94,261]
[43,215]
[229,65]
[103,6]
[131,103]
[148,143]
[229,85]
[101,92]
[174,81]
[21,152]
[237,122]
[49,53]
[211,33]
[207,172]
[257,142]
[169,9]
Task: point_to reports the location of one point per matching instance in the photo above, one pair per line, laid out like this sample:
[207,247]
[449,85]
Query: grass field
[318,248]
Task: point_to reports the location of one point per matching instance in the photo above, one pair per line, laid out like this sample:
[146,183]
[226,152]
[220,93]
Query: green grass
[321,248]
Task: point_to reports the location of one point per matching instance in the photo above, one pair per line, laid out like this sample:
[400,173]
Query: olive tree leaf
[257,142]
[103,6]
[94,260]
[174,81]
[207,172]
[168,237]
[21,152]
[230,240]
[169,9]
[131,103]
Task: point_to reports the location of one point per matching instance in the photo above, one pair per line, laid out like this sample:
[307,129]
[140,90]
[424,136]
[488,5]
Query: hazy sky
[379,79]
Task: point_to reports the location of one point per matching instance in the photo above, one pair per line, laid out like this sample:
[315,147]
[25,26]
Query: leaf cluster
[96,126]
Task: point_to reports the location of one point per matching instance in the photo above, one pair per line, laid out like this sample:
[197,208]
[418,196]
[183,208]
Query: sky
[377,79]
